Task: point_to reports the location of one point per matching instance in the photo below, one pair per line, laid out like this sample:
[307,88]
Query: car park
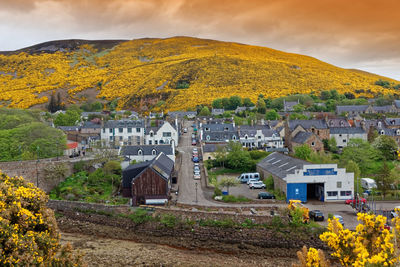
[340,219]
[256,185]
[265,195]
[316,215]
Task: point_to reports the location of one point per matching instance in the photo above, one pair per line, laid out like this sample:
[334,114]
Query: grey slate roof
[387,131]
[124,124]
[301,137]
[217,111]
[281,165]
[69,128]
[347,130]
[338,122]
[89,124]
[351,108]
[86,114]
[218,127]
[397,103]
[210,148]
[146,150]
[288,106]
[384,109]
[163,165]
[308,124]
[392,121]
[182,114]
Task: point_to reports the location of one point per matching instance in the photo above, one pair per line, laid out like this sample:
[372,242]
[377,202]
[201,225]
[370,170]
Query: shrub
[79,166]
[112,167]
[29,234]
[217,191]
[269,183]
[140,216]
[169,220]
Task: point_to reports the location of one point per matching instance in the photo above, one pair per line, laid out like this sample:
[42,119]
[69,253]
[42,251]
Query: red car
[353,201]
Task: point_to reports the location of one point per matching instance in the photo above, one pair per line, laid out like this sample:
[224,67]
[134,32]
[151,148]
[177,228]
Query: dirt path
[114,252]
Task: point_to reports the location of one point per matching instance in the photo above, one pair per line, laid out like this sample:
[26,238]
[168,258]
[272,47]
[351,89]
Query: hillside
[169,74]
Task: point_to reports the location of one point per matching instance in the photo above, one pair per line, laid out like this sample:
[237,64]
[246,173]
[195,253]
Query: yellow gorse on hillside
[152,68]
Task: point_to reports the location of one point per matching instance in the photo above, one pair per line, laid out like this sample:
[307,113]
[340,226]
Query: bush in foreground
[28,229]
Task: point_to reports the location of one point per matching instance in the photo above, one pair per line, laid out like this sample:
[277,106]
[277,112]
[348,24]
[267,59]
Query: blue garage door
[296,191]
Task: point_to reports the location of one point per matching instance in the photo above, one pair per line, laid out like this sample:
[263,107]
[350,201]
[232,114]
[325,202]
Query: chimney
[262,122]
[233,122]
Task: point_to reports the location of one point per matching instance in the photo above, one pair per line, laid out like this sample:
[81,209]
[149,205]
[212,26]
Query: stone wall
[34,171]
[188,212]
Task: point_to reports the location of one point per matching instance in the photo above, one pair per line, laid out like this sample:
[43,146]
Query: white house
[304,181]
[343,135]
[123,132]
[165,133]
[143,153]
[259,136]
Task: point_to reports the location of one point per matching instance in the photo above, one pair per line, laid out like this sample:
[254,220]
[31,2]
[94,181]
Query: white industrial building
[304,181]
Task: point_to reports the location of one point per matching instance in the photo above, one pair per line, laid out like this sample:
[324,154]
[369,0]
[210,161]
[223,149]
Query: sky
[359,34]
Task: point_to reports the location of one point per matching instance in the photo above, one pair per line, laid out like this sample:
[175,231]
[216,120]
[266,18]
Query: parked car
[197,164]
[196,168]
[253,180]
[195,159]
[316,215]
[340,218]
[265,195]
[256,185]
[196,172]
[353,201]
[196,176]
[185,130]
[244,177]
[194,142]
[195,150]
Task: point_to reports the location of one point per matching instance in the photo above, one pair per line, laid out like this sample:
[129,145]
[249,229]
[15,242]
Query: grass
[212,175]
[235,199]
[93,188]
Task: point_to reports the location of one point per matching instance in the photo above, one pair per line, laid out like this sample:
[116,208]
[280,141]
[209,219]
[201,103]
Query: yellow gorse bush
[311,258]
[28,229]
[151,68]
[369,245]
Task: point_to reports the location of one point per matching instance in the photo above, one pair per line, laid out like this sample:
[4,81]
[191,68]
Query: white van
[244,177]
[368,183]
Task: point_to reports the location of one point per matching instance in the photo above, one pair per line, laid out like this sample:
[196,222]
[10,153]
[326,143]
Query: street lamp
[196,192]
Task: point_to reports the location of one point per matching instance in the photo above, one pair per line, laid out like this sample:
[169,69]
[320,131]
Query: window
[208,137]
[332,193]
[166,134]
[121,130]
[111,138]
[140,152]
[104,130]
[151,134]
[111,130]
[138,130]
[150,142]
[259,137]
[345,193]
[340,135]
[129,130]
[234,137]
[161,142]
[245,137]
[312,144]
[344,140]
[156,142]
[154,152]
[130,138]
[138,139]
[207,129]
[339,184]
[120,138]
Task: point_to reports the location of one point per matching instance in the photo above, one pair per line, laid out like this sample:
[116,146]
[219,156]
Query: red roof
[72,145]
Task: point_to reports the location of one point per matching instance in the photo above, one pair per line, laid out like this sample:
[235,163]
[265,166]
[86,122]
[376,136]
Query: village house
[304,181]
[259,136]
[217,111]
[208,150]
[343,135]
[288,106]
[311,139]
[142,153]
[123,132]
[218,133]
[148,182]
[164,133]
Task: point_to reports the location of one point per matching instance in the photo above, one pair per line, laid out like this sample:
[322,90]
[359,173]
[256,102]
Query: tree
[52,104]
[325,95]
[205,111]
[351,166]
[299,108]
[234,102]
[272,115]
[29,234]
[237,158]
[372,134]
[217,103]
[385,179]
[246,102]
[228,182]
[225,103]
[220,155]
[70,118]
[387,146]
[332,145]
[261,107]
[302,152]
